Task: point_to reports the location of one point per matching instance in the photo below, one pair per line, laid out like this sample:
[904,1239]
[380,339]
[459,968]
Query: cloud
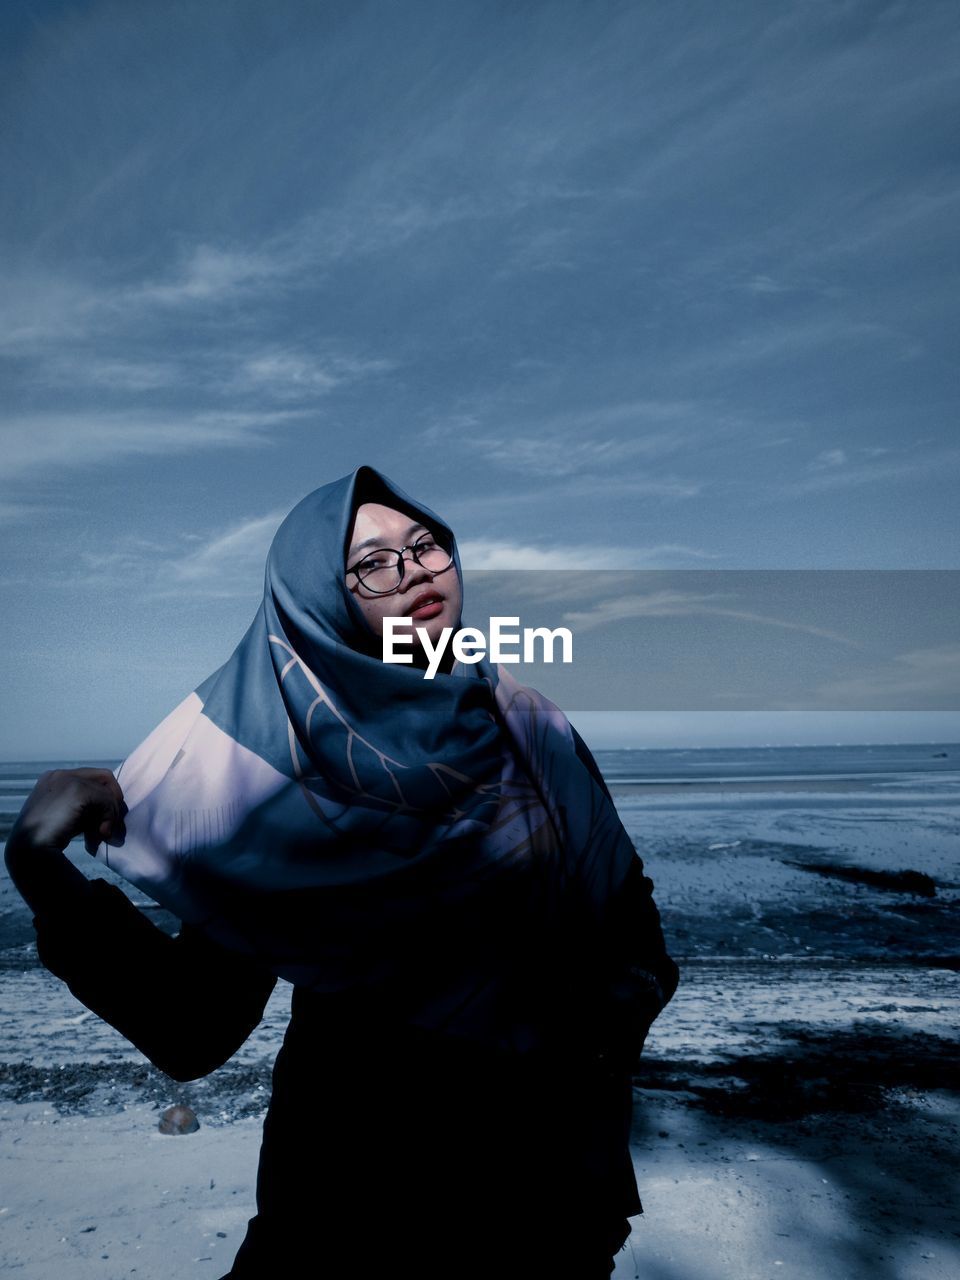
[630,484]
[209,273]
[601,444]
[316,242]
[87,368]
[15,512]
[667,603]
[559,458]
[764,284]
[39,309]
[765,344]
[289,374]
[41,306]
[891,215]
[911,681]
[487,554]
[828,458]
[40,443]
[217,371]
[843,468]
[226,564]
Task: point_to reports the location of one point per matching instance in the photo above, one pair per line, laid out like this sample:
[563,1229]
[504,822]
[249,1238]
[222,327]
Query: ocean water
[726,764]
[646,765]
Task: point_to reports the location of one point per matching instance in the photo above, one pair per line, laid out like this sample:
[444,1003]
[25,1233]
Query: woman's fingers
[67,803]
[103,808]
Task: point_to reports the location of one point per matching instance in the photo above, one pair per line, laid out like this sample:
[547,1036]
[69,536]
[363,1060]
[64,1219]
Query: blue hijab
[356,826]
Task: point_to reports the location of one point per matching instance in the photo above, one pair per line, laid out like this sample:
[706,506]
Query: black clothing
[449,1156]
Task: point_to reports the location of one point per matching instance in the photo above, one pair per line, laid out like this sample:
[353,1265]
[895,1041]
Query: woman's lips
[428,610]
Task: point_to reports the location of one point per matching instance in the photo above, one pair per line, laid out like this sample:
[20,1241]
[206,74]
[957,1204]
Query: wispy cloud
[41,306]
[209,273]
[227,563]
[310,245]
[914,680]
[763,344]
[888,217]
[828,458]
[662,604]
[40,443]
[607,440]
[485,554]
[558,458]
[290,374]
[115,374]
[15,512]
[221,372]
[764,284]
[841,468]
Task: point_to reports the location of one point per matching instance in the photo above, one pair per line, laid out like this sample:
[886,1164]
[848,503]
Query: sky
[607,285]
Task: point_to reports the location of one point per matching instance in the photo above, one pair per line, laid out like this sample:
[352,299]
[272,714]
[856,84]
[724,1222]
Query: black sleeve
[186,1003]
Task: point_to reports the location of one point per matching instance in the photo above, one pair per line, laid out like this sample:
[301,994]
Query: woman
[438,869]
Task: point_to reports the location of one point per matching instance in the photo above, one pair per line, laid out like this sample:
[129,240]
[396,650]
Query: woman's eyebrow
[369,542]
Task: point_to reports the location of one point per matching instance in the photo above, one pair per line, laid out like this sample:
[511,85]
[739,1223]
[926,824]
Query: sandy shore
[813,1139]
[847,1195]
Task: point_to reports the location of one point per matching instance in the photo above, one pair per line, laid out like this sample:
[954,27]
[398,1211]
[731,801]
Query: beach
[795,1112]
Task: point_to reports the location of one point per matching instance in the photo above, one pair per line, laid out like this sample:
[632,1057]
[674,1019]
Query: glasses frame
[440,539]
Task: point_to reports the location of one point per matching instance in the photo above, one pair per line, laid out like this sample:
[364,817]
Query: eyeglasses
[382,571]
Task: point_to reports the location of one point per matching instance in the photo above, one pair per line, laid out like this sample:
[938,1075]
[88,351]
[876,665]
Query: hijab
[357,827]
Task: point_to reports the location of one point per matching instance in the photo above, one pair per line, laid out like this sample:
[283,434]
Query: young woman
[438,869]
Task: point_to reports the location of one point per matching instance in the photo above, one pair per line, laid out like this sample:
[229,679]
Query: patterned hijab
[355,826]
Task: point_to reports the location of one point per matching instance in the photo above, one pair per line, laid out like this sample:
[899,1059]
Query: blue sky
[607,285]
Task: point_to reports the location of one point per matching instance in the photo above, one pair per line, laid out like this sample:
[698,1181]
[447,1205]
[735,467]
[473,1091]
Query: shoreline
[807,786]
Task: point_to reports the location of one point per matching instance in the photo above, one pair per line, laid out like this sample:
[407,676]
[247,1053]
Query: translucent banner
[746,640]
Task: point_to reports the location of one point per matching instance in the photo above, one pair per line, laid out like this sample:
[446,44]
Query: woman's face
[389,528]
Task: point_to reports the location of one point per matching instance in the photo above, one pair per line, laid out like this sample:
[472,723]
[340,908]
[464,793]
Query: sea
[909,765]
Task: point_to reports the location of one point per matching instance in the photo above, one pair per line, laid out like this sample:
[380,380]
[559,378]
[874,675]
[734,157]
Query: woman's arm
[185,1002]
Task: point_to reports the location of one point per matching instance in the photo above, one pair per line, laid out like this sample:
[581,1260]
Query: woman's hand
[64,803]
[70,802]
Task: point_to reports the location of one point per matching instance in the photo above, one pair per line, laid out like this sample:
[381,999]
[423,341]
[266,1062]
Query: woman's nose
[413,572]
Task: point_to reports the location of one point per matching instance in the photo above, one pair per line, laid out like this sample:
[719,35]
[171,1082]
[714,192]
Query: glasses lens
[433,552]
[379,571]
